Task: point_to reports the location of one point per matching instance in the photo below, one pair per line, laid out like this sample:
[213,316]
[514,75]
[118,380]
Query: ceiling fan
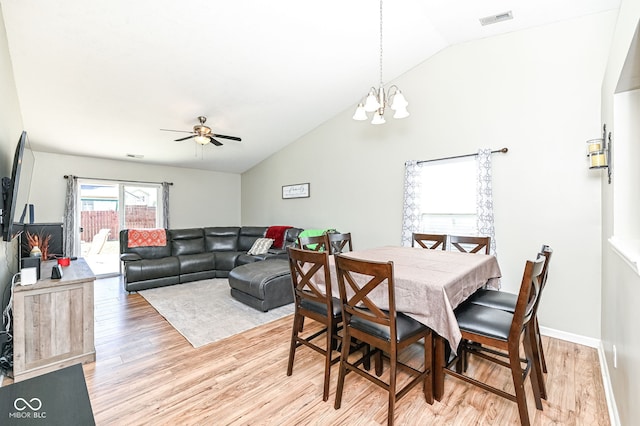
[203,134]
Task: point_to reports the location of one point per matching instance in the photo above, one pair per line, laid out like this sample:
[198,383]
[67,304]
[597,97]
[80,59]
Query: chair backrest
[310,276]
[356,280]
[528,295]
[546,251]
[339,242]
[430,241]
[315,243]
[470,244]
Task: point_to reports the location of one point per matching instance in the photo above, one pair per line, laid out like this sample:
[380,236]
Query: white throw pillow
[261,246]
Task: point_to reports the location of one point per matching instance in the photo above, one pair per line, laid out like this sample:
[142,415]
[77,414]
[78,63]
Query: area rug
[204,311]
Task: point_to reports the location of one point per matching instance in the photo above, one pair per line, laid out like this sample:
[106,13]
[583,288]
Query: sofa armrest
[277,251]
[128,257]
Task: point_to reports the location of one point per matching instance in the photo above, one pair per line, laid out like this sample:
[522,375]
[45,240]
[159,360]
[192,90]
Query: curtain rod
[503,150]
[118,180]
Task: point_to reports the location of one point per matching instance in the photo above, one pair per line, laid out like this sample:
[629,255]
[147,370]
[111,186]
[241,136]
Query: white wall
[10,129]
[620,284]
[536,92]
[197,198]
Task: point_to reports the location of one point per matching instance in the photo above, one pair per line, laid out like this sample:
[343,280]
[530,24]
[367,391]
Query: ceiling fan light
[202,140]
[371,103]
[378,118]
[360,113]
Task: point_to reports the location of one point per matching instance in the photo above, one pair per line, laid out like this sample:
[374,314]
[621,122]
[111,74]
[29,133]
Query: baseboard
[570,337]
[614,417]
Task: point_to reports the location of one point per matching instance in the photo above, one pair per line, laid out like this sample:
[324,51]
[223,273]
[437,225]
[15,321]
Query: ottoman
[263,285]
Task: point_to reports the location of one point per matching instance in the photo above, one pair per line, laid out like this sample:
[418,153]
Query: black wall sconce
[599,152]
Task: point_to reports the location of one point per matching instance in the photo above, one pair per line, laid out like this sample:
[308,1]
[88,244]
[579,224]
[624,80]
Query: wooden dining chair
[494,328]
[507,302]
[470,244]
[315,243]
[386,330]
[430,241]
[308,269]
[339,242]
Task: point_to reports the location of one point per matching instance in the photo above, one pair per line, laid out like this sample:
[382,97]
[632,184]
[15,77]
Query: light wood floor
[147,373]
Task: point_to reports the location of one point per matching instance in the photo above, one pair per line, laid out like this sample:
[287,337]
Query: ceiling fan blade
[180,131]
[215,142]
[184,139]
[233,138]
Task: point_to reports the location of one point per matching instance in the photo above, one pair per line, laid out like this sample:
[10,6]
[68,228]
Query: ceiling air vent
[135,155]
[493,19]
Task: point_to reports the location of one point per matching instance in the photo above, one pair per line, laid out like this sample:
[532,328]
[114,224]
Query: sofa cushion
[190,263]
[149,269]
[143,252]
[261,246]
[226,260]
[252,278]
[277,233]
[290,238]
[187,241]
[244,258]
[248,235]
[221,238]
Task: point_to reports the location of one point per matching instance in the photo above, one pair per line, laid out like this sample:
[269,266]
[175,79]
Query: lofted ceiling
[101,78]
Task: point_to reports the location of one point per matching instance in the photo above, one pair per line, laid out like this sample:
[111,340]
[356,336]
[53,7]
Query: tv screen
[15,190]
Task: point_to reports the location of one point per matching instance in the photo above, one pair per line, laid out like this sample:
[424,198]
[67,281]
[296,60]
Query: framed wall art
[299,190]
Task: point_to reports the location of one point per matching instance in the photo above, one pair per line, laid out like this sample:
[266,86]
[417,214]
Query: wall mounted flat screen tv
[15,190]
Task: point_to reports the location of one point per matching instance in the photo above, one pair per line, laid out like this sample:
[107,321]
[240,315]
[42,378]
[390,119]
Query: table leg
[438,365]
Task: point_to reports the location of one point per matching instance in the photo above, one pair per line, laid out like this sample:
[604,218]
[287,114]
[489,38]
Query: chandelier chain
[377,100]
[381,44]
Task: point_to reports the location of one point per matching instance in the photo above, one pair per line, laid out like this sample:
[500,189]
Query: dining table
[429,285]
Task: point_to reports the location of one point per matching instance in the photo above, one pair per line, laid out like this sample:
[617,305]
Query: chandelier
[377,99]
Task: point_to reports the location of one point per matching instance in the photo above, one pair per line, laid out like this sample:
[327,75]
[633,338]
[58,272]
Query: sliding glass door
[141,208]
[106,207]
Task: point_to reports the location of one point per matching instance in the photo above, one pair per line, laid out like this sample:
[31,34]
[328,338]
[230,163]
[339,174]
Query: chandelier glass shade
[377,99]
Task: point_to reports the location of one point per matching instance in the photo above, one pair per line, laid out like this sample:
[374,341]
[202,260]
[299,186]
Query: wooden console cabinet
[53,321]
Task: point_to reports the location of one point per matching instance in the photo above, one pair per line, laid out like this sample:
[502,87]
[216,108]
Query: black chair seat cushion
[321,308]
[495,299]
[405,327]
[490,322]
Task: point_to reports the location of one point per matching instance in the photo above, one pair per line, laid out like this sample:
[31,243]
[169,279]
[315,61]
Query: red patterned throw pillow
[147,238]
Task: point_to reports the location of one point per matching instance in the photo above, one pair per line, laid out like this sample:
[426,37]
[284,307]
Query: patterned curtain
[411,207]
[69,221]
[484,197]
[165,204]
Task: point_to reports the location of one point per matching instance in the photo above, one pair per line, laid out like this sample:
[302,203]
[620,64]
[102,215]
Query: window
[626,196]
[626,154]
[448,197]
